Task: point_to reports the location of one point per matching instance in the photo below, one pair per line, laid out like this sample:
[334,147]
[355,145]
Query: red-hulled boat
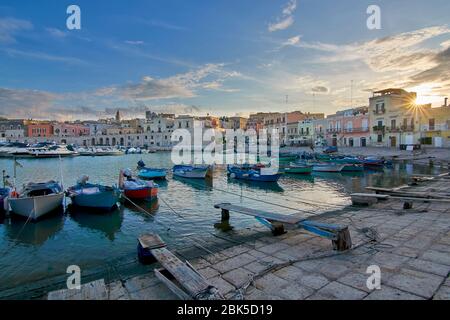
[137,189]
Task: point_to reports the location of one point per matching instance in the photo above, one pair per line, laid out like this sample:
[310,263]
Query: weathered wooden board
[371,195]
[289,219]
[187,277]
[151,241]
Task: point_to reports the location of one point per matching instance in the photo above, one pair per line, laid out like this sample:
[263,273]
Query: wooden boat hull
[191,173]
[252,176]
[328,168]
[36,207]
[146,193]
[150,175]
[104,200]
[298,170]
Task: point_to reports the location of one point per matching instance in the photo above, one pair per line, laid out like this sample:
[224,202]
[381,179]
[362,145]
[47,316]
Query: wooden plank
[172,286]
[151,241]
[289,219]
[371,195]
[420,199]
[386,189]
[189,279]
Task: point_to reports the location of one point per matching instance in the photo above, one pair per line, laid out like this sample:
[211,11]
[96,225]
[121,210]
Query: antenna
[287,99]
[351,93]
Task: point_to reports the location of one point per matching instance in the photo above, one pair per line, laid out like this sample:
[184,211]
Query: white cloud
[133,42]
[43,56]
[56,33]
[286,19]
[9,27]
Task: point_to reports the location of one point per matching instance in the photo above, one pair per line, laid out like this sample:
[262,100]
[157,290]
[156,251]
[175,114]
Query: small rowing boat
[94,196]
[250,173]
[150,173]
[37,199]
[191,172]
[298,168]
[328,167]
[137,189]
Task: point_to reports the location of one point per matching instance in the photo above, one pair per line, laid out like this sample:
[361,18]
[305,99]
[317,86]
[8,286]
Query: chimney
[445,102]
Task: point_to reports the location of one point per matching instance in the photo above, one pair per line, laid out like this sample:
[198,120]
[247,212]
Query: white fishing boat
[13,149]
[100,151]
[37,199]
[328,167]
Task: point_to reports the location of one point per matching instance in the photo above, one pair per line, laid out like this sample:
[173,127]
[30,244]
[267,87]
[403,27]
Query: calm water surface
[44,249]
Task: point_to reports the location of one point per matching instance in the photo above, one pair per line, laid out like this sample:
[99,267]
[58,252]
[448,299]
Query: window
[393,124]
[431,124]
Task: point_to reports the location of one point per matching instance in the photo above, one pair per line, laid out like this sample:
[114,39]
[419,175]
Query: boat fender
[232,175]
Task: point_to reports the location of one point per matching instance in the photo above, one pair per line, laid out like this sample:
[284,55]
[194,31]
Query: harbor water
[33,252]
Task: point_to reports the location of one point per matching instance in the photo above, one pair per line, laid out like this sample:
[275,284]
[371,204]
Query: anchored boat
[251,174]
[298,168]
[95,196]
[137,189]
[191,172]
[328,167]
[150,173]
[36,199]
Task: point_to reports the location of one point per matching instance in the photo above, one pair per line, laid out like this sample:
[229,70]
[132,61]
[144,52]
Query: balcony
[407,128]
[393,129]
[379,111]
[379,129]
[356,130]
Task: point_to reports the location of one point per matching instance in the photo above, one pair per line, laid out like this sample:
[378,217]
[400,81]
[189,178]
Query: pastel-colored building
[435,126]
[349,128]
[37,129]
[394,118]
[70,130]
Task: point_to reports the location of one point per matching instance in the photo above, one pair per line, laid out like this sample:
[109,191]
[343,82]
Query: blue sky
[219,57]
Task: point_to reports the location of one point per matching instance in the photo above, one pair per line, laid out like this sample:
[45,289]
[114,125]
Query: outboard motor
[83,179]
[141,164]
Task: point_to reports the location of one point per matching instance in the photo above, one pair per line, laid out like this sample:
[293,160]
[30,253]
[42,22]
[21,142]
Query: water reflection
[199,184]
[108,223]
[34,233]
[268,186]
[148,208]
[300,177]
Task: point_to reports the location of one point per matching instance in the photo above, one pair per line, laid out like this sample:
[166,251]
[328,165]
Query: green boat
[298,168]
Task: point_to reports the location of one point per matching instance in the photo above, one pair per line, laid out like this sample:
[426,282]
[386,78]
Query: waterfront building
[11,124]
[256,121]
[320,131]
[70,130]
[394,118]
[292,134]
[306,131]
[435,126]
[39,129]
[349,128]
[14,135]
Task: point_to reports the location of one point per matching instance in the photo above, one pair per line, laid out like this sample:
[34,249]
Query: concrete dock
[410,246]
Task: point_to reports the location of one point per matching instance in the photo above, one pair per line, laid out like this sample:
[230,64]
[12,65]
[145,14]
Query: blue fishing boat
[250,174]
[150,173]
[372,162]
[95,196]
[191,172]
